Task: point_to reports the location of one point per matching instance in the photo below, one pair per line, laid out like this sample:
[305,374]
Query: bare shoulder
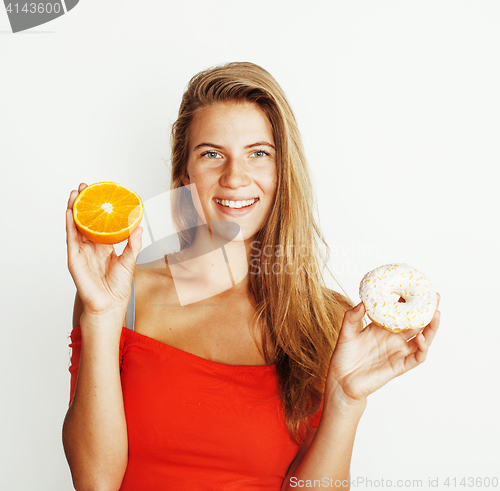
[152,272]
[152,279]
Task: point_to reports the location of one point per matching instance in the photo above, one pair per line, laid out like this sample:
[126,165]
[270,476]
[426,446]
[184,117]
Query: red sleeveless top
[197,424]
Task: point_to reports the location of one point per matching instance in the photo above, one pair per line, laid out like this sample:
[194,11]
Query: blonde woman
[261,386]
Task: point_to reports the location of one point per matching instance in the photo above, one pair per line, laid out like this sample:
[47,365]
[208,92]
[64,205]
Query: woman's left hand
[363,361]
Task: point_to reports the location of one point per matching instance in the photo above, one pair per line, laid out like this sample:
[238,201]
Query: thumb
[134,245]
[352,320]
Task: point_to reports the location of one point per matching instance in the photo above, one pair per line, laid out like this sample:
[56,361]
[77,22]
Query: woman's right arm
[95,430]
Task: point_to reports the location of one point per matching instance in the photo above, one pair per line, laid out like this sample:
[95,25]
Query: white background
[398,103]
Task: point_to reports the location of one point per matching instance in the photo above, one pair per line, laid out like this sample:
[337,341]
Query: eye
[210,154]
[261,153]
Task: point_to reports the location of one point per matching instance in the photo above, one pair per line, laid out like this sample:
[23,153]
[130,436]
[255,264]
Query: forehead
[230,123]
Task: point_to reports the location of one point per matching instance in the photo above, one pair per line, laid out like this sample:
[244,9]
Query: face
[232,161]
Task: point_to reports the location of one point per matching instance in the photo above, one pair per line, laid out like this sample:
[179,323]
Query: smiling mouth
[236,204]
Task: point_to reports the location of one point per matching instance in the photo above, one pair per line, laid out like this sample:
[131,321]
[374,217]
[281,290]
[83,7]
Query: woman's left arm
[362,362]
[326,457]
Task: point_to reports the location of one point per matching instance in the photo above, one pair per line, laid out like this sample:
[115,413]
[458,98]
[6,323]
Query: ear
[185,180]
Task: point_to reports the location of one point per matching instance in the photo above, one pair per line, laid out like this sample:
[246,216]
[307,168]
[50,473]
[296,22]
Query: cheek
[201,179]
[203,171]
[198,188]
[272,182]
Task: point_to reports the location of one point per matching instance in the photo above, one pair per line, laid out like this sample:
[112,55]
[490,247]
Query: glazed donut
[382,289]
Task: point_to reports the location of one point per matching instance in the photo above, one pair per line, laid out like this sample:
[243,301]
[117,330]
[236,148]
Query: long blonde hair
[296,313]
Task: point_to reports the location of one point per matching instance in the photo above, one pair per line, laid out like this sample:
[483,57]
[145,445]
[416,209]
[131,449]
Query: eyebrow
[258,144]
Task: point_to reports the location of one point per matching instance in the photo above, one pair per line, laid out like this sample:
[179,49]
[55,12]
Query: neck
[236,251]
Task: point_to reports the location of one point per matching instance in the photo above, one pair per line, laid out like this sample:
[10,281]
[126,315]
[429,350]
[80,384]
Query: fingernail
[356,309]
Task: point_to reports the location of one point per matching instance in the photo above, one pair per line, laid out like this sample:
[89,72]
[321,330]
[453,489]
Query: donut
[398,297]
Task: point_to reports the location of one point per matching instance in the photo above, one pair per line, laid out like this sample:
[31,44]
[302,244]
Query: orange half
[107,212]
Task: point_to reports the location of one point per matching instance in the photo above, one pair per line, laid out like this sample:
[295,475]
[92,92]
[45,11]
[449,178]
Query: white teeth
[236,204]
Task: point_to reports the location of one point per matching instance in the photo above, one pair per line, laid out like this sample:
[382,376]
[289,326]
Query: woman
[260,386]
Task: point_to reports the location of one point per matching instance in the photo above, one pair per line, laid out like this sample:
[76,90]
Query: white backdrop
[398,103]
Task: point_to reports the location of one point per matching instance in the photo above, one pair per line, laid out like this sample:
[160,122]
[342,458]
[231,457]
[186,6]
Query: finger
[72,239]
[431,329]
[71,200]
[409,333]
[417,352]
[420,344]
[422,348]
[73,234]
[352,319]
[74,194]
[134,246]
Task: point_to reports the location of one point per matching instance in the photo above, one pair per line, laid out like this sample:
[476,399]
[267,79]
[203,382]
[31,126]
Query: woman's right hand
[103,279]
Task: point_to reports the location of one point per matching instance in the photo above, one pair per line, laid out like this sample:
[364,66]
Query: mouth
[236,204]
[236,207]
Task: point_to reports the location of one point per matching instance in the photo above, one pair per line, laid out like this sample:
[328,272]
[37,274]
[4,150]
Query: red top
[197,424]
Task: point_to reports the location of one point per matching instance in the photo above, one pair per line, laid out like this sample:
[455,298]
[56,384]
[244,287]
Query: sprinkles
[382,298]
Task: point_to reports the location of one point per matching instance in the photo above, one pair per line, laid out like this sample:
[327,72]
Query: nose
[235,174]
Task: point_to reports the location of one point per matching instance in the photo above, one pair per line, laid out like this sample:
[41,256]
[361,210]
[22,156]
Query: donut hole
[401,300]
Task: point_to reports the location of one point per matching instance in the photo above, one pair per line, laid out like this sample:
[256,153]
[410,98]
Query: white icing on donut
[381,289]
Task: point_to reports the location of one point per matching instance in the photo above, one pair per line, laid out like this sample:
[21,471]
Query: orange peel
[107,212]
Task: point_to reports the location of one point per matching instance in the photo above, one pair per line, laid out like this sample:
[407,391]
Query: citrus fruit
[107,212]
